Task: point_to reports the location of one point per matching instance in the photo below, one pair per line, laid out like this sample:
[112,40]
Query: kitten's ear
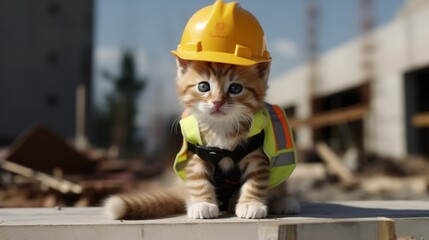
[182,66]
[263,70]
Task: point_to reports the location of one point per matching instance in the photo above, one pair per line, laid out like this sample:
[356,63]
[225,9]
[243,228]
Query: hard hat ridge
[223,8]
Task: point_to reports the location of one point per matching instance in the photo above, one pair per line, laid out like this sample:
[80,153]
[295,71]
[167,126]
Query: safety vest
[278,143]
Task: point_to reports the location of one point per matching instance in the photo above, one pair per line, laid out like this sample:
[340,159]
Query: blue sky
[152,28]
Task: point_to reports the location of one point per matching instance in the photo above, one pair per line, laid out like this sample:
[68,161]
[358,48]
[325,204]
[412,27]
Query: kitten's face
[222,92]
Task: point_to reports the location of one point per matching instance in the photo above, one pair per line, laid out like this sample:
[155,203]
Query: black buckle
[215,154]
[212,154]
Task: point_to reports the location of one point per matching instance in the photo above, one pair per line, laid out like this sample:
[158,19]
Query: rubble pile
[370,177]
[42,170]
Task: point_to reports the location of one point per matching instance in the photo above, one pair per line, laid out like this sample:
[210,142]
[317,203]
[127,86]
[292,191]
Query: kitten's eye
[203,87]
[235,88]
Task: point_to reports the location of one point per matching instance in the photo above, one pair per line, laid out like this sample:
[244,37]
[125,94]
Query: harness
[227,183]
[270,130]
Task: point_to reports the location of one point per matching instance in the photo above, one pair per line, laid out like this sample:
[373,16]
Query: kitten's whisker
[175,125]
[237,121]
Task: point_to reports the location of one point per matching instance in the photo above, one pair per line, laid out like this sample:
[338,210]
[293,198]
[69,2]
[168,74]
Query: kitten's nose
[218,104]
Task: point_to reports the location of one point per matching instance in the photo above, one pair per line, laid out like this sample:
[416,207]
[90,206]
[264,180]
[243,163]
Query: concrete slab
[333,220]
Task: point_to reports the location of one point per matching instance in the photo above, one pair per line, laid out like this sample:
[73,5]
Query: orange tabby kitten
[223,98]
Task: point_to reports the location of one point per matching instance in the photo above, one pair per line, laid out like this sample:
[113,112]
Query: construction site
[359,114]
[364,103]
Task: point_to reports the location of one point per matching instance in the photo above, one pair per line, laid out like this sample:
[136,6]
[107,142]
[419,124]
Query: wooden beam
[56,183]
[297,123]
[335,164]
[416,184]
[420,119]
[333,117]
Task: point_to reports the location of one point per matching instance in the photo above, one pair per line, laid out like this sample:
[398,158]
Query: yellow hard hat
[224,33]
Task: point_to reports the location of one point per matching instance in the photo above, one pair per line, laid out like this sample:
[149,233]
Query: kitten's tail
[144,205]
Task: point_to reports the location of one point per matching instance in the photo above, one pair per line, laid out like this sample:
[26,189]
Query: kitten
[223,98]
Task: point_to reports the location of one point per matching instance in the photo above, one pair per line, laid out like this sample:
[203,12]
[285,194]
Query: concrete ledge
[334,220]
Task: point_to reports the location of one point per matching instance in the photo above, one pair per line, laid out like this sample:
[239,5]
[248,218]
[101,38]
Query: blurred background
[88,104]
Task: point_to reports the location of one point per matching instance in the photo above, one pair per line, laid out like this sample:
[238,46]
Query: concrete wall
[400,46]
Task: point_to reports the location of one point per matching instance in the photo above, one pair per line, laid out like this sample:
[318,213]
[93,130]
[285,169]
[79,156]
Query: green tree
[116,123]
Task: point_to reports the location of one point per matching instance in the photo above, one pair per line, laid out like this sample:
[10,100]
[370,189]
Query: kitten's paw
[251,210]
[286,205]
[202,210]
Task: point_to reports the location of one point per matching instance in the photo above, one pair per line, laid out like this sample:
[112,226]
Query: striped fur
[145,205]
[225,126]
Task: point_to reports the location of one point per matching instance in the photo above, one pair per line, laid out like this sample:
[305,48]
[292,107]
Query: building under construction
[45,66]
[369,93]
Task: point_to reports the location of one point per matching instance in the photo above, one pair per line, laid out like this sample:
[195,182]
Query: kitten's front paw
[251,210]
[202,210]
[285,205]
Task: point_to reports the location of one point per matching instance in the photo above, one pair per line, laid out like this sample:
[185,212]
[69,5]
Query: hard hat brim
[219,57]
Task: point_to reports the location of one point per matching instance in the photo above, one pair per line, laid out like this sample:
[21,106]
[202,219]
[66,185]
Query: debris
[406,238]
[351,158]
[328,118]
[421,119]
[58,184]
[334,164]
[67,177]
[42,150]
[313,171]
[377,184]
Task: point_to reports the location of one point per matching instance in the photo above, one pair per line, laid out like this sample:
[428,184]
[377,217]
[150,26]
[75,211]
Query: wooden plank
[309,171]
[297,122]
[332,220]
[420,119]
[333,117]
[412,184]
[56,183]
[335,164]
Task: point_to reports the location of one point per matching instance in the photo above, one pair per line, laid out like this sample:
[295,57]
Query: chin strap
[227,183]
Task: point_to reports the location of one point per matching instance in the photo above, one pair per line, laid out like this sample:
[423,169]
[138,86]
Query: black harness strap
[214,154]
[227,183]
